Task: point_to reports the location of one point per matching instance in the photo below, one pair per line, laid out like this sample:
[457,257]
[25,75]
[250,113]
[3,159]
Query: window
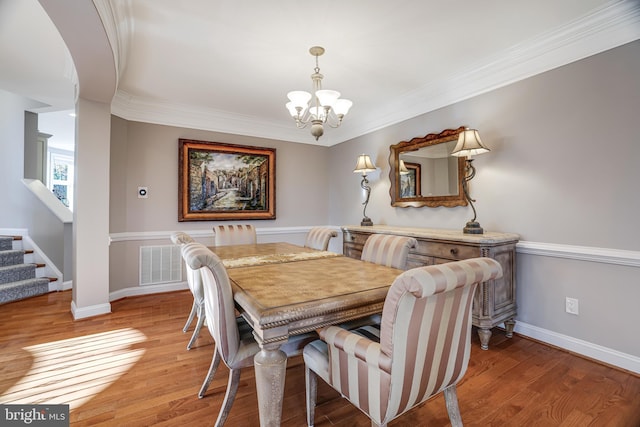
[60,175]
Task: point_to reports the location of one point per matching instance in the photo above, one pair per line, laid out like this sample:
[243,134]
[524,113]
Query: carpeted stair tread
[13,257]
[6,243]
[15,273]
[22,289]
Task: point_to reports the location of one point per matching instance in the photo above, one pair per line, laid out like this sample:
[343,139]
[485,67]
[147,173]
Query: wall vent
[160,264]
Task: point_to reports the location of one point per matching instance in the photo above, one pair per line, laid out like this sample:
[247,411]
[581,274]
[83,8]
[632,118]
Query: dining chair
[318,238]
[238,234]
[387,249]
[235,344]
[194,281]
[421,347]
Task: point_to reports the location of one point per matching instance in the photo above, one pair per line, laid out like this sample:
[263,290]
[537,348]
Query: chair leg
[212,371]
[451,400]
[196,331]
[229,397]
[311,382]
[194,308]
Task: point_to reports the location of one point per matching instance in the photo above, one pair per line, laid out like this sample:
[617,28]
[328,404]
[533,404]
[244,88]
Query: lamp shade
[327,97]
[299,98]
[341,107]
[364,165]
[469,144]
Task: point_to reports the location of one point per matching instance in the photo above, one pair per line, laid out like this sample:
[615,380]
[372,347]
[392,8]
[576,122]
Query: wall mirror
[424,173]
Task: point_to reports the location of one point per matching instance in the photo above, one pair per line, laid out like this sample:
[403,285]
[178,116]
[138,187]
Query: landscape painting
[220,181]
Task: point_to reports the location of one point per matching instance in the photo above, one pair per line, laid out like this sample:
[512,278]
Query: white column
[91,210]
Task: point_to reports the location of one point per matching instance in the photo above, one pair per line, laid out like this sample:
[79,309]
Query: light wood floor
[131,368]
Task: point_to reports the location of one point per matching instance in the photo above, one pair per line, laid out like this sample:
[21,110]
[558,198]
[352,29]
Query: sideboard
[494,301]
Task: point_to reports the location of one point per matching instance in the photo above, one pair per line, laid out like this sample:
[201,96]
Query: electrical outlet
[571,306]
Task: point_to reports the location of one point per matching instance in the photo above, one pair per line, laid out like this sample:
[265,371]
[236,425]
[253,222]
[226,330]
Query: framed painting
[219,181]
[410,182]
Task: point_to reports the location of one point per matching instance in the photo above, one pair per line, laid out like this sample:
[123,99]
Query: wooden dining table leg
[270,365]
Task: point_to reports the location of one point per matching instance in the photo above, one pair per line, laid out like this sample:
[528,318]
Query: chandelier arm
[300,124]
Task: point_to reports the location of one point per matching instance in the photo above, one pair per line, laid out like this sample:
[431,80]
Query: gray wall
[147,155]
[12,126]
[563,170]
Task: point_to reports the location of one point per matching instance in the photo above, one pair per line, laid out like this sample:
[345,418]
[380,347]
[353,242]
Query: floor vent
[160,264]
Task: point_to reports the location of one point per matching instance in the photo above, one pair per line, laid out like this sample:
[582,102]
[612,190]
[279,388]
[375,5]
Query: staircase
[18,279]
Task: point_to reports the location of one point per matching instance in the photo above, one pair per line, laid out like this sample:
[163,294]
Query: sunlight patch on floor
[74,370]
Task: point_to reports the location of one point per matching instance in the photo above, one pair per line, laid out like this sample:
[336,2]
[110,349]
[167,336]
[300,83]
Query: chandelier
[323,107]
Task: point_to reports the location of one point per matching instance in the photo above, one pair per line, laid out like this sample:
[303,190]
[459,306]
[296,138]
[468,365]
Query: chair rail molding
[581,253]
[156,235]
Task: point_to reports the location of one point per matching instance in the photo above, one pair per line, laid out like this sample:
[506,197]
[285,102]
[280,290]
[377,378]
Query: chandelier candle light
[469,144]
[320,108]
[363,166]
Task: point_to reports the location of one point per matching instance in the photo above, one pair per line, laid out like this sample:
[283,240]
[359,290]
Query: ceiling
[227,65]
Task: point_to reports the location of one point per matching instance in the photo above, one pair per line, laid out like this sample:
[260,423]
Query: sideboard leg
[485,335]
[508,326]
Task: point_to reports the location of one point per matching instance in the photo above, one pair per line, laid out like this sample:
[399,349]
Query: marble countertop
[488,237]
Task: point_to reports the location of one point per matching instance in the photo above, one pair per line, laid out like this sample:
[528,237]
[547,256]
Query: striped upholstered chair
[423,346]
[235,344]
[318,238]
[389,250]
[240,234]
[194,281]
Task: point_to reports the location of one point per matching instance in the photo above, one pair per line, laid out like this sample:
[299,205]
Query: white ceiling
[228,65]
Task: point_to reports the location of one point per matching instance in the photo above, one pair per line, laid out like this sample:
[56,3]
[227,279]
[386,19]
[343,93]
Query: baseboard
[60,286]
[148,290]
[94,310]
[584,348]
[49,267]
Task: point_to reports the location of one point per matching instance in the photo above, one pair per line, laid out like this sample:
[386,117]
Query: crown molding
[131,107]
[614,24]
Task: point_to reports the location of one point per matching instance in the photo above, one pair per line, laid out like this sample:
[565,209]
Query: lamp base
[366,221]
[472,227]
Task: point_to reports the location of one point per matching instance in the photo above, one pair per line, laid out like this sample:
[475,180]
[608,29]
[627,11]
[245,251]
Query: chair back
[425,334]
[387,249]
[194,279]
[239,234]
[180,238]
[318,238]
[218,299]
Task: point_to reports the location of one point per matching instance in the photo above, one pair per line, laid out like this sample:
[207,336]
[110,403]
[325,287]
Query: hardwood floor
[132,368]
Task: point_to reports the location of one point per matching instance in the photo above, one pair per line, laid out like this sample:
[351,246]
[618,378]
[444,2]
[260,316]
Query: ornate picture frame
[218,181]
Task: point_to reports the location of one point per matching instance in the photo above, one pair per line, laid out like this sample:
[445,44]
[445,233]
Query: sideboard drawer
[355,238]
[450,251]
[417,260]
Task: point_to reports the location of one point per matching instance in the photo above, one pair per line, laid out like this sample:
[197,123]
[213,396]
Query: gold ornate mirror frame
[419,200]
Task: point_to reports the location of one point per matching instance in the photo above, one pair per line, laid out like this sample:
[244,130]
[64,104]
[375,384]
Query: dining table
[282,289]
